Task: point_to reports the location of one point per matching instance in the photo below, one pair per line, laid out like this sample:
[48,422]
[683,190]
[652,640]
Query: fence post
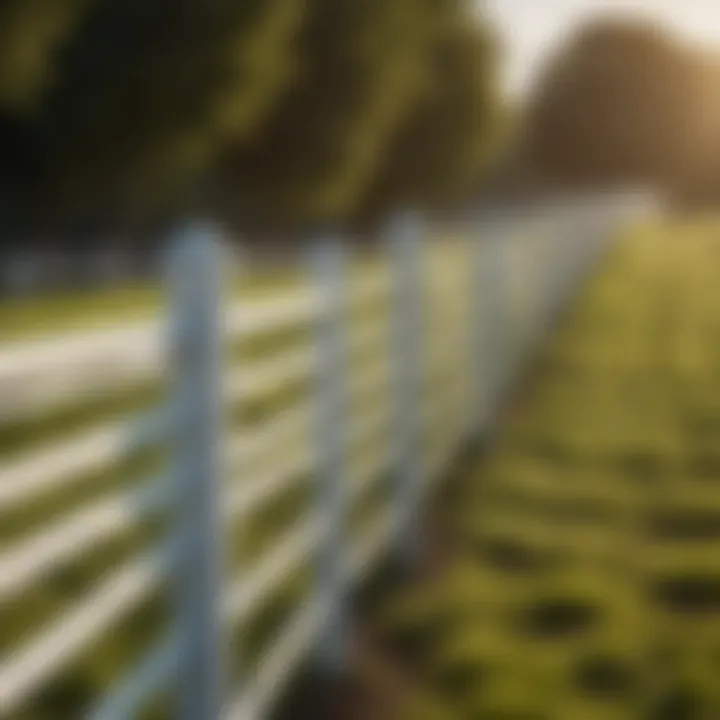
[405,239]
[488,340]
[196,358]
[562,247]
[329,261]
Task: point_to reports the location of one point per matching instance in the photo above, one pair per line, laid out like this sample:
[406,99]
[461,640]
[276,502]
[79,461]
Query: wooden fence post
[488,334]
[196,352]
[329,261]
[405,238]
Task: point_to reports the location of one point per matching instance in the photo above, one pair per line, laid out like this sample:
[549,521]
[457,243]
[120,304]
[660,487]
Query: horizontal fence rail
[381,378]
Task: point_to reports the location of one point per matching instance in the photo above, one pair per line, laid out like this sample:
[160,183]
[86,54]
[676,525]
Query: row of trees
[627,102]
[276,114]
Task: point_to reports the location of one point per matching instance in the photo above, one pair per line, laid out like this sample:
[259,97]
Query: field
[579,574]
[581,578]
[78,686]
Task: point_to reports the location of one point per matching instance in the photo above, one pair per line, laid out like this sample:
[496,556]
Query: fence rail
[461,316]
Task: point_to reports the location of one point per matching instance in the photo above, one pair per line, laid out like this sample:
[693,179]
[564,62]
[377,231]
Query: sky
[532,27]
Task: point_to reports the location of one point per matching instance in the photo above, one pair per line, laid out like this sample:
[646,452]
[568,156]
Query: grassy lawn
[78,688]
[584,573]
[26,318]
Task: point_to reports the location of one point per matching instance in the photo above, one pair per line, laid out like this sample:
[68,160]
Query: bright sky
[532,27]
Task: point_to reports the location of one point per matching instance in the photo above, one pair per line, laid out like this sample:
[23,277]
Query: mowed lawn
[80,685]
[583,580]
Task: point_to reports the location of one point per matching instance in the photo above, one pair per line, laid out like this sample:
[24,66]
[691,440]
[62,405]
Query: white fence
[459,315]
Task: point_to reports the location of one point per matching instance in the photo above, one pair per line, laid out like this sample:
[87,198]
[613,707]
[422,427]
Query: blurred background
[574,569]
[117,118]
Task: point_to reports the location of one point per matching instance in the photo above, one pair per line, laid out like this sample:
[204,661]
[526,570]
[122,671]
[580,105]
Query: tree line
[276,115]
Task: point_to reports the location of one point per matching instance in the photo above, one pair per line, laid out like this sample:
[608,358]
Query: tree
[31,33]
[364,65]
[698,181]
[151,92]
[614,105]
[438,153]
[278,113]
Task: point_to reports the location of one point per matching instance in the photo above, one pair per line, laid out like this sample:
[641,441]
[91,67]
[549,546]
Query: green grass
[26,318]
[79,686]
[584,577]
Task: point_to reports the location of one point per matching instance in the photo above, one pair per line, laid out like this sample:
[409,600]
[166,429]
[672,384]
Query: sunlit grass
[80,685]
[585,578]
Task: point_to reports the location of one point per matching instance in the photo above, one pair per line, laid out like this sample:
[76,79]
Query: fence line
[215,483]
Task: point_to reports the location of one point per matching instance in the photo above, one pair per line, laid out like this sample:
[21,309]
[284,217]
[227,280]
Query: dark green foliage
[152,91]
[269,112]
[438,152]
[366,69]
[31,34]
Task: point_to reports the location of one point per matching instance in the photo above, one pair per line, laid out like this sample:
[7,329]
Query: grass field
[77,688]
[581,572]
[28,317]
[583,579]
